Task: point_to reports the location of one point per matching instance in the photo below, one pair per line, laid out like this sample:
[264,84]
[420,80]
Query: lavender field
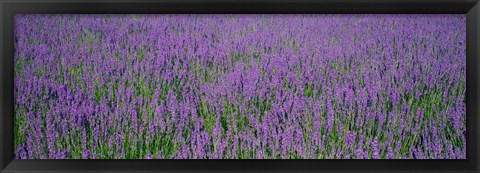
[240,87]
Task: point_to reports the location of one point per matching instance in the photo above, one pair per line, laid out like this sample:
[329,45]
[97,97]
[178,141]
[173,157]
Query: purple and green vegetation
[240,86]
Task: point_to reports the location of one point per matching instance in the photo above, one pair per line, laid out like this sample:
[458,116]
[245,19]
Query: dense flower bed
[240,86]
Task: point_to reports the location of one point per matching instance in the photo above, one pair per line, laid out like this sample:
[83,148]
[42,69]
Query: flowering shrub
[240,86]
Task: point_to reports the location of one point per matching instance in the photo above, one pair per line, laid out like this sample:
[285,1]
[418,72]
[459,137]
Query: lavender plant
[240,86]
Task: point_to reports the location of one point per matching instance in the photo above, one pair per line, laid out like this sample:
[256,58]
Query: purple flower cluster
[240,86]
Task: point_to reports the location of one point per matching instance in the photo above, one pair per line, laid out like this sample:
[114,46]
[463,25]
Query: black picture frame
[8,8]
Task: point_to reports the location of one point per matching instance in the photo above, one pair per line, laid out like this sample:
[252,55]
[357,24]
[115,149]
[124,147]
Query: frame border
[8,8]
